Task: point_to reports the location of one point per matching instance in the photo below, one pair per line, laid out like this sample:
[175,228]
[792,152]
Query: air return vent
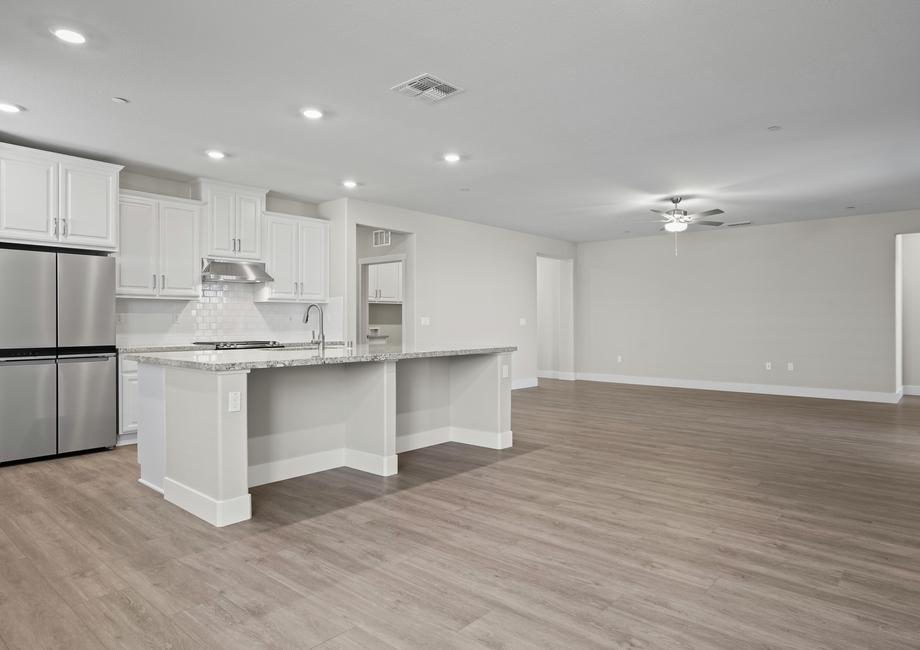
[427,87]
[381,238]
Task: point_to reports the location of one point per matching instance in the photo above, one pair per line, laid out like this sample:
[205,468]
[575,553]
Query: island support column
[206,444]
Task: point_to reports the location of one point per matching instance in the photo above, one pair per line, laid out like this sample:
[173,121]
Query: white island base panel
[204,455]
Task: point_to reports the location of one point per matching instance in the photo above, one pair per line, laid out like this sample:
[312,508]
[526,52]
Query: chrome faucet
[322,332]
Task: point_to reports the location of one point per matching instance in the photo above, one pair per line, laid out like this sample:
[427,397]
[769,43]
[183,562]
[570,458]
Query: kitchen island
[212,424]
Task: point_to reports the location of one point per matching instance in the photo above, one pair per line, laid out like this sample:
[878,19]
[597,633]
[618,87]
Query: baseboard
[126,439]
[556,374]
[763,389]
[215,512]
[148,484]
[280,470]
[488,439]
[371,463]
[422,439]
[912,390]
[527,382]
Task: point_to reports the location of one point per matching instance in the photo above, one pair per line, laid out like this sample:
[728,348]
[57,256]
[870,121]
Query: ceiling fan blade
[659,211]
[706,223]
[707,213]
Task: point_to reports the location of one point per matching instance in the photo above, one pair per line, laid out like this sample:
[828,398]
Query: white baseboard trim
[763,389]
[126,439]
[422,439]
[912,390]
[527,382]
[478,438]
[148,484]
[216,512]
[280,470]
[371,463]
[556,374]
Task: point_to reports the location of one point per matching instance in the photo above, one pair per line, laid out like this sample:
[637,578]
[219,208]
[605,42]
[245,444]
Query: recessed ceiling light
[69,36]
[775,127]
[851,207]
[452,157]
[10,108]
[350,184]
[121,100]
[464,189]
[312,113]
[216,155]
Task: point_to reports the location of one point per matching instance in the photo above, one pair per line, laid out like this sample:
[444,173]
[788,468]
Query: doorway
[382,292]
[555,318]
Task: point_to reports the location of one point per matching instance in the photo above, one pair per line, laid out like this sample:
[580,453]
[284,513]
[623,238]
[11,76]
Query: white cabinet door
[282,263]
[314,260]
[89,205]
[389,282]
[222,222]
[373,282]
[180,269]
[129,402]
[137,253]
[248,225]
[28,196]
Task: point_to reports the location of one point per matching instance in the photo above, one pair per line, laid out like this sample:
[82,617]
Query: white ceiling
[577,116]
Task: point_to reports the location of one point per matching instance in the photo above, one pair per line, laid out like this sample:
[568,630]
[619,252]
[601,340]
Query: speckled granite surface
[135,349]
[230,360]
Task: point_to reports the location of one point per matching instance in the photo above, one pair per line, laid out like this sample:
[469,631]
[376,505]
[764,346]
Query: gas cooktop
[240,345]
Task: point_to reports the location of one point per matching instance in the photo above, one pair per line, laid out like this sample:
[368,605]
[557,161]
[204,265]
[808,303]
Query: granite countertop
[187,347]
[229,360]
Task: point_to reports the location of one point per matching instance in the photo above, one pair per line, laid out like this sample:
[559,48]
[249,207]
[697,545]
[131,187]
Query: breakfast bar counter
[214,423]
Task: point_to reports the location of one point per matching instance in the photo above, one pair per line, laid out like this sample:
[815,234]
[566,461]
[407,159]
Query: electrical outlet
[619,358]
[790,366]
[523,322]
[768,365]
[426,321]
[234,402]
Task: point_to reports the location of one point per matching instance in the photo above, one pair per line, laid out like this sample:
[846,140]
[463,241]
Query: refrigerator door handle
[17,361]
[86,357]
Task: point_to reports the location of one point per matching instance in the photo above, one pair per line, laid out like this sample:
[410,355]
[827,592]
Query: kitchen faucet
[322,331]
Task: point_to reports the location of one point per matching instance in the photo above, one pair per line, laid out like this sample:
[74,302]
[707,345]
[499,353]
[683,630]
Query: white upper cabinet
[233,222]
[52,198]
[159,252]
[297,257]
[384,282]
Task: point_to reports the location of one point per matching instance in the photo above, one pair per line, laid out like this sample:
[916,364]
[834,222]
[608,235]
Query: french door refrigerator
[57,353]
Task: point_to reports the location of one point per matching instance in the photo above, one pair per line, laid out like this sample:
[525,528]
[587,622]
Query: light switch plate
[426,321]
[767,365]
[523,322]
[234,402]
[790,366]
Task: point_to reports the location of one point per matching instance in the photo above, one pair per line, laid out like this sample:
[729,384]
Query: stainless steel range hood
[234,271]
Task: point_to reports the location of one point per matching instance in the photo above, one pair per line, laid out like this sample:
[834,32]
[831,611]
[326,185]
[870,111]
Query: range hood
[234,271]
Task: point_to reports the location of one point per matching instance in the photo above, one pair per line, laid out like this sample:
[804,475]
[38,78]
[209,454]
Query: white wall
[818,293]
[473,282]
[910,264]
[555,318]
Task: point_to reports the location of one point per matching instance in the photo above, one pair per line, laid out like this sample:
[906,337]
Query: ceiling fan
[677,220]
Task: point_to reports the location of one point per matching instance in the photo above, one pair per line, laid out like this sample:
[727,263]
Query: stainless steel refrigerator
[57,353]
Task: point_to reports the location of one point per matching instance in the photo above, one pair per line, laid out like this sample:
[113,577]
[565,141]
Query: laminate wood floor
[624,517]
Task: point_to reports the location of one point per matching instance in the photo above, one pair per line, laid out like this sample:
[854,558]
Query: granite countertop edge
[189,347]
[313,360]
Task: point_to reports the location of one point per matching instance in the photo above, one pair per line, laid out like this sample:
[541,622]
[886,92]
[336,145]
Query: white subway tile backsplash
[223,311]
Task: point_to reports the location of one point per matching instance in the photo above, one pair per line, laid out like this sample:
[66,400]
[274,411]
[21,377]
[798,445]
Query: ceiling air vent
[738,223]
[381,238]
[428,88]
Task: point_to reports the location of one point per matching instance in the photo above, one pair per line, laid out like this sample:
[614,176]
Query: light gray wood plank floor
[624,517]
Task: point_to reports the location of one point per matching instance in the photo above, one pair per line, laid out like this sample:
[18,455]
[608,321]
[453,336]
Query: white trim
[527,382]
[912,390]
[215,512]
[371,463]
[411,441]
[490,439]
[280,470]
[763,389]
[556,374]
[126,439]
[150,485]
